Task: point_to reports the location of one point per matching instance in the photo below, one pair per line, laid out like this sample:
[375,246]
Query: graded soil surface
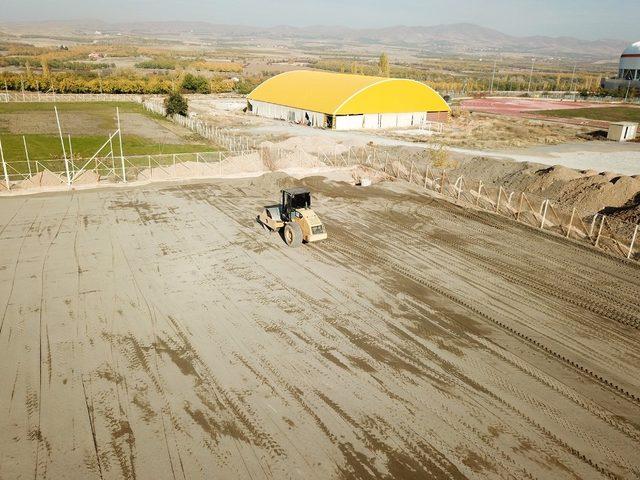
[159,332]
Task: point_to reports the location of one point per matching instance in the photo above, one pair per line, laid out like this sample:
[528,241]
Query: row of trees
[81,82]
[473,78]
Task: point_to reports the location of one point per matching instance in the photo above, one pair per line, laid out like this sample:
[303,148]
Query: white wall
[376,121]
[280,112]
[342,122]
[349,122]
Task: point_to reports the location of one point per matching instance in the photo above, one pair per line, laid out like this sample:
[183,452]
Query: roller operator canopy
[345,94]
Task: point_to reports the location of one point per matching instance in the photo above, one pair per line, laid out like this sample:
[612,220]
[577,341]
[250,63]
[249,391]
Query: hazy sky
[589,19]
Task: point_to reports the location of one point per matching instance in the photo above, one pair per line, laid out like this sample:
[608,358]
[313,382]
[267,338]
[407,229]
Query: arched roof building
[630,62]
[344,101]
[628,72]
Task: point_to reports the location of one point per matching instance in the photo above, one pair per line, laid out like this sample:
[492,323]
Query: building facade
[346,102]
[628,71]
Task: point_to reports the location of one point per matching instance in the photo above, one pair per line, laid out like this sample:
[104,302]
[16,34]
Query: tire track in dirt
[236,217]
[434,244]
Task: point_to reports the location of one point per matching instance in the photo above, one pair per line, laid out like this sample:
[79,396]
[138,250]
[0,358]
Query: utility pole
[573,76]
[493,75]
[533,60]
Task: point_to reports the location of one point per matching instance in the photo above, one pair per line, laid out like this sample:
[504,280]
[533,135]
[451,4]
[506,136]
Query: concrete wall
[622,132]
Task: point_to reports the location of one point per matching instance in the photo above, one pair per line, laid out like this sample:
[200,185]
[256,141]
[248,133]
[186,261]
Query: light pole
[493,75]
[573,76]
[533,60]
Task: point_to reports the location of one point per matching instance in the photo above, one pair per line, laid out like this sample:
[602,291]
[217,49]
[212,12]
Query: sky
[588,19]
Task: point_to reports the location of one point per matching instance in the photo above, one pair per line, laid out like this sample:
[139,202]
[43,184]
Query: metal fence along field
[244,158]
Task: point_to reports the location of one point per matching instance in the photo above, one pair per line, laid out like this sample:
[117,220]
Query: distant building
[346,102]
[628,72]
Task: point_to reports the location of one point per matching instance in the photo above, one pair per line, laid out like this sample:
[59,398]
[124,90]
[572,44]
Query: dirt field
[159,332]
[542,109]
[518,106]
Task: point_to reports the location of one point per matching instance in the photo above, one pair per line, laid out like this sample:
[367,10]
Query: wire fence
[561,95]
[225,137]
[602,231]
[245,158]
[53,97]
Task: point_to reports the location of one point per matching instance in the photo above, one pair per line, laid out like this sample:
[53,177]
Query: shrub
[176,104]
[193,83]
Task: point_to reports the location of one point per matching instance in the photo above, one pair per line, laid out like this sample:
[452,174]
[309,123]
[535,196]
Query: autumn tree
[383,65]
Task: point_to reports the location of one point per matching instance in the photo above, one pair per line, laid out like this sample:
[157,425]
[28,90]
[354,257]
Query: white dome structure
[630,63]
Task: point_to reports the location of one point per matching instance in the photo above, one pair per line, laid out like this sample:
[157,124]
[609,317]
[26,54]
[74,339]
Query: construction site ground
[159,332]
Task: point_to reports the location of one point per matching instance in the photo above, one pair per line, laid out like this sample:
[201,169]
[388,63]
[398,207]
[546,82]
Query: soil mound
[45,178]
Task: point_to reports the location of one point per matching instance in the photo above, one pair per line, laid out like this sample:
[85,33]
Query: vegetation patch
[608,114]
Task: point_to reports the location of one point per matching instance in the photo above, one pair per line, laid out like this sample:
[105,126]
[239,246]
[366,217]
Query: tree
[176,104]
[383,65]
[193,83]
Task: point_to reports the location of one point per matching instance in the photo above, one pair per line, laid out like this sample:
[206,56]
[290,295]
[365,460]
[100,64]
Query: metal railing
[6,97]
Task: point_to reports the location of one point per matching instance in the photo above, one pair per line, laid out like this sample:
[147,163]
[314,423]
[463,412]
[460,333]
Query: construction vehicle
[294,218]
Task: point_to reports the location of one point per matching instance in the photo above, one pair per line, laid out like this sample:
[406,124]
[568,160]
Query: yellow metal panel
[336,93]
[394,96]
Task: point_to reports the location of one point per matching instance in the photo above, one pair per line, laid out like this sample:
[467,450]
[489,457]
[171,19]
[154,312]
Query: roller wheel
[293,234]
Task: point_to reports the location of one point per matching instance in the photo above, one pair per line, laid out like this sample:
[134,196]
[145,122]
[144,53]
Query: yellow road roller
[294,218]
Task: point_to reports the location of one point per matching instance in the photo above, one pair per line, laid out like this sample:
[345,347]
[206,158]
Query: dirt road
[159,332]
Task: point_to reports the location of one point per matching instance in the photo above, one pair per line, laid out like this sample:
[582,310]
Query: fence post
[544,207]
[4,167]
[519,206]
[573,214]
[593,224]
[479,191]
[459,189]
[64,150]
[124,173]
[498,201]
[26,154]
[633,240]
[602,220]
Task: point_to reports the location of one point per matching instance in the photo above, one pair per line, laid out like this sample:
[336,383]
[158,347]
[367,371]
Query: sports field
[607,114]
[89,124]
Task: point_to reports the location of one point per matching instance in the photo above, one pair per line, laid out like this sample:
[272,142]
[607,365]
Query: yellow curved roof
[345,94]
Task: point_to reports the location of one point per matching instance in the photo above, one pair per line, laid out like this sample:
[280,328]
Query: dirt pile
[45,178]
[88,177]
[588,190]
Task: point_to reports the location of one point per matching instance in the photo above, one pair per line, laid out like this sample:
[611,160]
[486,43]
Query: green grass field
[46,146]
[608,114]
